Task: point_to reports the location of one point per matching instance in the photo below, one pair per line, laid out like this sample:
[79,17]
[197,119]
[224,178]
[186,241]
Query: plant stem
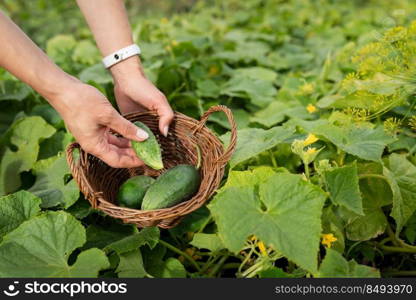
[230,266]
[246,259]
[397,241]
[180,252]
[405,245]
[392,236]
[341,158]
[273,159]
[306,170]
[208,264]
[218,265]
[397,249]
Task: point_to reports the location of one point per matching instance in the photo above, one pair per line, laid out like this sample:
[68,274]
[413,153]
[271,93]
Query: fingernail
[165,131]
[141,134]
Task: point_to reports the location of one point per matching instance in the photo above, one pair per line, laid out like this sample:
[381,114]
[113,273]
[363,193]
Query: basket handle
[77,168]
[226,155]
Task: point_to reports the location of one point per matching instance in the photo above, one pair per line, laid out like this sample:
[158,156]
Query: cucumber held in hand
[173,186]
[132,191]
[149,150]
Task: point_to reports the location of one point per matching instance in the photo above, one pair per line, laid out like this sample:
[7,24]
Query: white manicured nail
[165,131]
[141,134]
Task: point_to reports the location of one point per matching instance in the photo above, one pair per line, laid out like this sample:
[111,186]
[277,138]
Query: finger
[125,127]
[165,113]
[118,157]
[118,141]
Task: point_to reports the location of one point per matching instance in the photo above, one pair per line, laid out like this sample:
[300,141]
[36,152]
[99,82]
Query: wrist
[66,95]
[127,69]
[53,86]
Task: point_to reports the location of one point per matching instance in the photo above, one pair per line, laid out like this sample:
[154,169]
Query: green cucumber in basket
[172,187]
[149,150]
[132,191]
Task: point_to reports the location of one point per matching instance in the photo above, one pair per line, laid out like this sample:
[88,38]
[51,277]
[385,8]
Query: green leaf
[26,134]
[344,189]
[147,236]
[15,209]
[86,52]
[366,143]
[207,88]
[253,141]
[14,90]
[274,273]
[273,114]
[51,185]
[170,268]
[208,241]
[88,264]
[257,73]
[49,114]
[375,194]
[131,265]
[102,236]
[55,144]
[80,209]
[95,73]
[40,247]
[332,223]
[241,118]
[59,46]
[401,175]
[334,265]
[192,222]
[371,225]
[248,178]
[260,92]
[277,216]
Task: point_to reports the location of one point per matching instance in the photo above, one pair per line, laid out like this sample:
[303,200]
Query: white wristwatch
[120,55]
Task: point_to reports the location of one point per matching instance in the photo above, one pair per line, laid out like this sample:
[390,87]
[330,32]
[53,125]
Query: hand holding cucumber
[89,116]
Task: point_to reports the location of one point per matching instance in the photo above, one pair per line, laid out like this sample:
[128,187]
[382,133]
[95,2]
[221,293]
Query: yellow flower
[311,150]
[328,239]
[262,248]
[311,108]
[168,48]
[164,21]
[174,43]
[310,139]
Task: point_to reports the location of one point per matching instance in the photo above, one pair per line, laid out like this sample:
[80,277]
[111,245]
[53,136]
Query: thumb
[126,128]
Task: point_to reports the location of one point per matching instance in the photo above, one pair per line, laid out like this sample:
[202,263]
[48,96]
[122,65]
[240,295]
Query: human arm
[109,23]
[86,112]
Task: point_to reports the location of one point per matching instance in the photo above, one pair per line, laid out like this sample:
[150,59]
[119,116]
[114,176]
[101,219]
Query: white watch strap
[121,55]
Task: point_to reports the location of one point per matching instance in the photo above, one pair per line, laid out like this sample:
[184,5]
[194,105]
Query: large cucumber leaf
[40,247]
[284,212]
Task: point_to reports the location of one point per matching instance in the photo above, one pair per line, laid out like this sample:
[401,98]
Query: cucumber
[149,150]
[175,185]
[132,191]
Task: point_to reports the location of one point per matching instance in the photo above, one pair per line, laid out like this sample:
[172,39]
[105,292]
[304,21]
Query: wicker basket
[99,183]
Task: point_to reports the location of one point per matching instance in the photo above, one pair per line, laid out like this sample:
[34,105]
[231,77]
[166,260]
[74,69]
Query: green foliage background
[322,183]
